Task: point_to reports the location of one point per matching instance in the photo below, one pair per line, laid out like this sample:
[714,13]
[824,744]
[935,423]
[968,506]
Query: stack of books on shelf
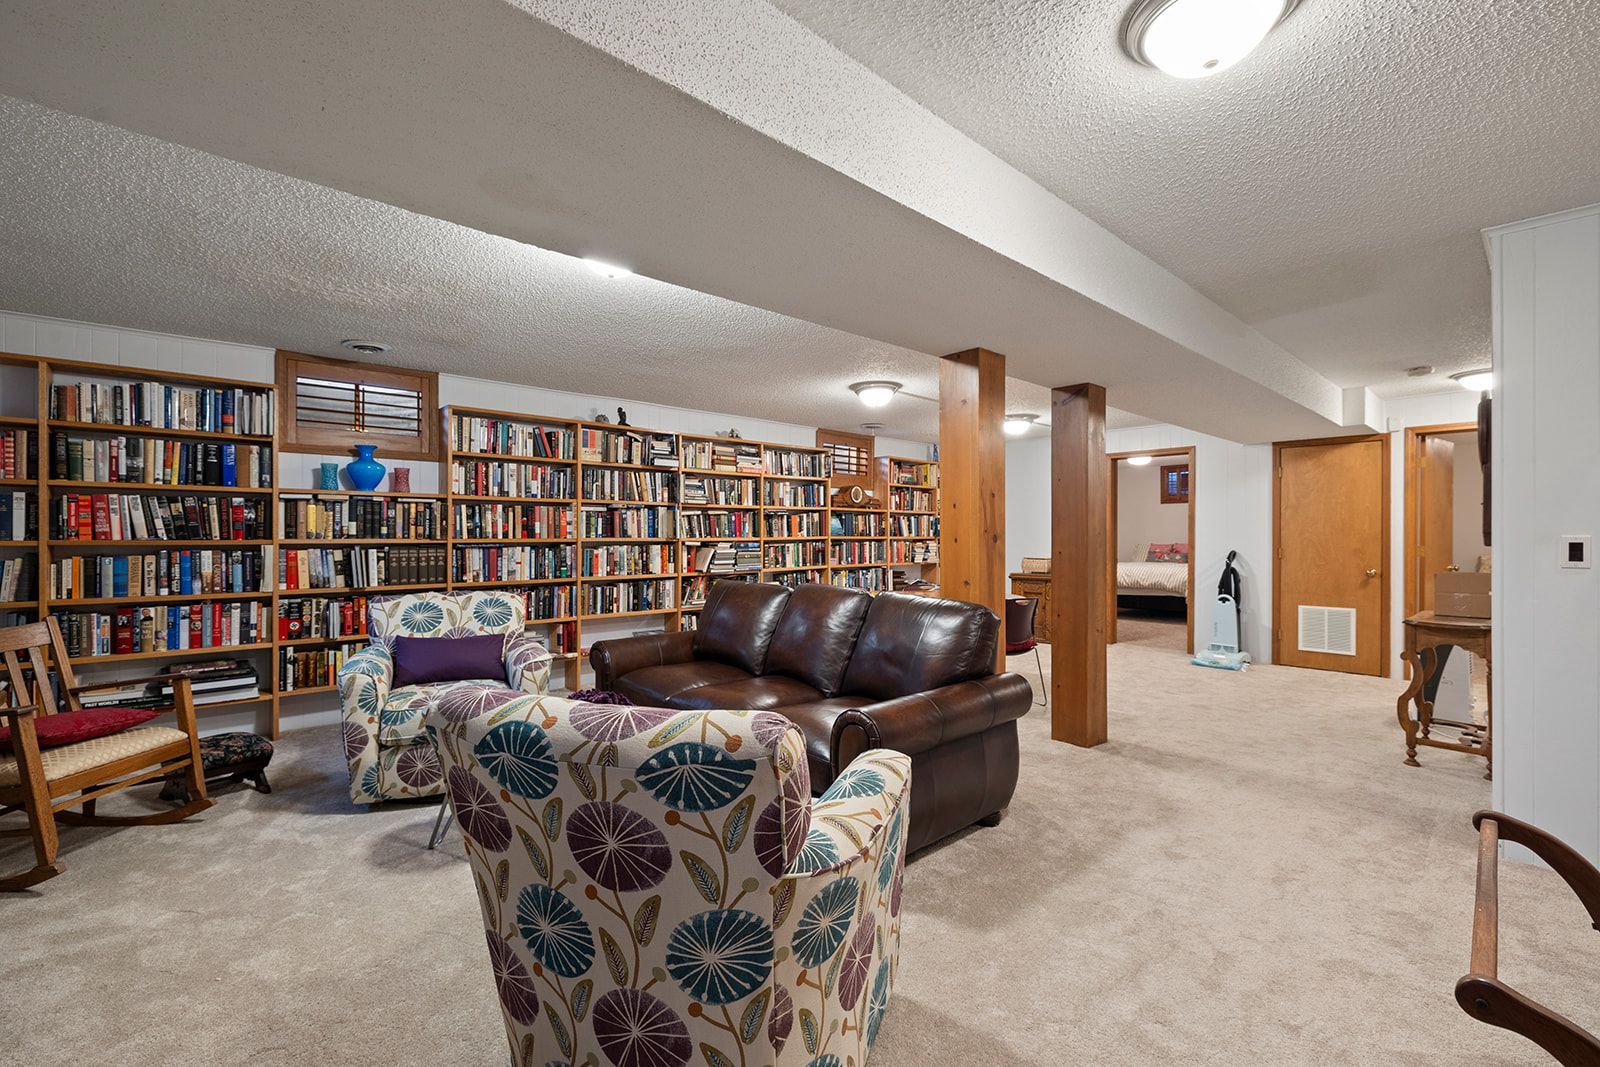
[361,568]
[636,447]
[477,477]
[308,518]
[622,561]
[615,520]
[165,407]
[504,438]
[156,461]
[214,681]
[725,556]
[16,579]
[16,454]
[724,454]
[311,668]
[647,487]
[707,489]
[512,563]
[513,522]
[797,464]
[19,515]
[697,588]
[698,524]
[169,572]
[157,517]
[322,618]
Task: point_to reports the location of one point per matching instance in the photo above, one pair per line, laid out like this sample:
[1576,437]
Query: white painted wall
[1466,535]
[1142,519]
[1546,433]
[32,335]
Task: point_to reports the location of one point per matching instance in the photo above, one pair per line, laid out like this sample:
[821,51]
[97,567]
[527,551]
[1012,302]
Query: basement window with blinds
[336,404]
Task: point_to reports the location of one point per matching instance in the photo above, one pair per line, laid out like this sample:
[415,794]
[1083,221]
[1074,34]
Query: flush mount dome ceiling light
[1138,461]
[1476,380]
[875,394]
[1199,38]
[1017,425]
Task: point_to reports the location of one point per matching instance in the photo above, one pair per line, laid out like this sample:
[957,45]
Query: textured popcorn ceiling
[108,226]
[1329,190]
[717,145]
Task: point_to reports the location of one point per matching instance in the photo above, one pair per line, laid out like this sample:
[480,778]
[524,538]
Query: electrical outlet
[1575,551]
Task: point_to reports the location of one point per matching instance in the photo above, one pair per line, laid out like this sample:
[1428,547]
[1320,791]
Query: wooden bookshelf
[910,490]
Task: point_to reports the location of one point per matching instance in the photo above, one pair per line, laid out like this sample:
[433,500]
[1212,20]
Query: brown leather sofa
[909,673]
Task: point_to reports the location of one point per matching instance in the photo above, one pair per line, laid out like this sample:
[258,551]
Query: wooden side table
[1425,632]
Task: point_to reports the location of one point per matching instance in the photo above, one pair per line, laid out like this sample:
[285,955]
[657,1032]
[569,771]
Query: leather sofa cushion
[767,692]
[737,624]
[815,720]
[816,633]
[664,686]
[911,644]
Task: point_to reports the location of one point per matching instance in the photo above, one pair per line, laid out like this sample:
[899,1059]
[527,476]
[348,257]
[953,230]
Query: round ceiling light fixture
[366,348]
[1199,38]
[1138,461]
[875,394]
[1477,380]
[1016,425]
[606,270]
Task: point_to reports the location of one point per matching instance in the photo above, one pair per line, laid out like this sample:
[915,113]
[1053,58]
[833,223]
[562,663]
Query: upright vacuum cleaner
[1223,652]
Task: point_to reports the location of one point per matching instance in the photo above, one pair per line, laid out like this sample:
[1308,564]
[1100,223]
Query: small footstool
[238,757]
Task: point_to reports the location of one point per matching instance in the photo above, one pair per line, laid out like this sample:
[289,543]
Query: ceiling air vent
[1330,630]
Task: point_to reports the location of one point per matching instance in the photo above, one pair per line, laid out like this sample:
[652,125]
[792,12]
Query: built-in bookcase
[911,494]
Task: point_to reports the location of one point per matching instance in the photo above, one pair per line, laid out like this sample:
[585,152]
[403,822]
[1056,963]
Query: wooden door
[1436,498]
[1331,533]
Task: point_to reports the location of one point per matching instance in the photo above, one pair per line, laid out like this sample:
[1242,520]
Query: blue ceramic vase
[364,471]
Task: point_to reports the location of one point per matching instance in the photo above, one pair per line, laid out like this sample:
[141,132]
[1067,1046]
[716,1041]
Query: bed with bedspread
[1155,570]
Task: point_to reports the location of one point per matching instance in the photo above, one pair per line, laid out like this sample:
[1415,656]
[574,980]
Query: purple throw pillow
[424,660]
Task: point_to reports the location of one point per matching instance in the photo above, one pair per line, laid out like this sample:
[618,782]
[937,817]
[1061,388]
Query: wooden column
[1078,571]
[972,479]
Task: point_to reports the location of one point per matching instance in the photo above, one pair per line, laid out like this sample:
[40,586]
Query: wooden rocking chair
[45,784]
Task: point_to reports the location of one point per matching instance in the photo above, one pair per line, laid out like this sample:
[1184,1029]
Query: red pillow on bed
[1173,553]
[70,727]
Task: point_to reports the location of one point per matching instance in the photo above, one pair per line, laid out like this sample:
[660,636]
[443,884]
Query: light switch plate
[1576,551]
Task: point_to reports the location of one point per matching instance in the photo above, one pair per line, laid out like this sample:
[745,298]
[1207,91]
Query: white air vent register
[1330,630]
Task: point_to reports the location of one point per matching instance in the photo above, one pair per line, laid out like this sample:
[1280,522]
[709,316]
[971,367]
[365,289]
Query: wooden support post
[972,480]
[1078,571]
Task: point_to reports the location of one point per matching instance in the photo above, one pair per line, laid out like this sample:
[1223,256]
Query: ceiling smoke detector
[1419,372]
[872,427]
[366,348]
[1199,38]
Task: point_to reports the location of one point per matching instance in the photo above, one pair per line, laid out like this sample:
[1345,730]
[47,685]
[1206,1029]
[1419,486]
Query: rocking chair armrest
[21,711]
[120,682]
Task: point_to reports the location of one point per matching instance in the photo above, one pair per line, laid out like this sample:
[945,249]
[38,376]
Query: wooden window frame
[294,437]
[828,440]
[1175,498]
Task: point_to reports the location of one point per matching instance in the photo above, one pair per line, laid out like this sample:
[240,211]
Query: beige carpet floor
[1153,631]
[1246,874]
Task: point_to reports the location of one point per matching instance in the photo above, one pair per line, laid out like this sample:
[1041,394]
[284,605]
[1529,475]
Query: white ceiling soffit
[728,150]
[104,225]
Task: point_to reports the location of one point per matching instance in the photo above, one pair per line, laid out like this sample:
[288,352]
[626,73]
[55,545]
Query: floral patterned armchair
[659,888]
[389,753]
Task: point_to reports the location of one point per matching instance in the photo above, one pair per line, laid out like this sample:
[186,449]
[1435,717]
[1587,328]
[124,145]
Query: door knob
[1372,572]
[1452,568]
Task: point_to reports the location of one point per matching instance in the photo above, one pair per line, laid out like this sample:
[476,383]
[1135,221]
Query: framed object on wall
[1175,484]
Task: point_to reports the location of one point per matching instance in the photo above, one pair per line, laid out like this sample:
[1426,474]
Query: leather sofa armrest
[615,659]
[922,721]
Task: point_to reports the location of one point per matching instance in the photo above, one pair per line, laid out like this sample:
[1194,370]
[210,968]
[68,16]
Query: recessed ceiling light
[606,270]
[1477,380]
[1199,38]
[1138,461]
[1018,424]
[875,394]
[366,348]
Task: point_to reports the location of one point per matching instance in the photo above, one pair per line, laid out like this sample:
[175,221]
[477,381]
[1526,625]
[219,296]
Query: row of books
[611,598]
[19,515]
[157,517]
[709,489]
[174,628]
[300,668]
[211,681]
[628,521]
[165,407]
[723,556]
[16,454]
[797,464]
[797,495]
[640,447]
[644,486]
[550,602]
[508,563]
[698,588]
[505,438]
[160,461]
[912,499]
[794,579]
[697,524]
[856,524]
[322,617]
[871,579]
[921,552]
[361,568]
[169,572]
[796,554]
[913,525]
[513,522]
[480,477]
[314,519]
[903,473]
[798,524]
[852,553]
[613,561]
[730,454]
[16,579]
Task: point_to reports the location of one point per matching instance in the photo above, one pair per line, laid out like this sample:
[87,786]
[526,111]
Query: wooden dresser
[1035,585]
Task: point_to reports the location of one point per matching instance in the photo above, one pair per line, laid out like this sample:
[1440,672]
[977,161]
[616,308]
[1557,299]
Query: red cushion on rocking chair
[70,727]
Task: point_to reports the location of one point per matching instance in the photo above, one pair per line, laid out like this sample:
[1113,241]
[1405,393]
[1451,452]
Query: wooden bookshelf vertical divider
[925,474]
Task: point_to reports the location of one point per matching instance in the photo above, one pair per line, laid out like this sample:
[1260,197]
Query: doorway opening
[1150,548]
